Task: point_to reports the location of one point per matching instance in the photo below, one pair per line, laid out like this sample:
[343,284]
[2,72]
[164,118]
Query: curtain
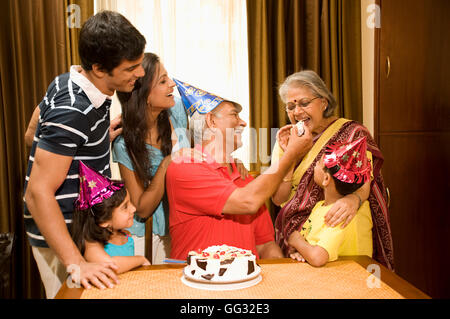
[76,13]
[293,35]
[35,48]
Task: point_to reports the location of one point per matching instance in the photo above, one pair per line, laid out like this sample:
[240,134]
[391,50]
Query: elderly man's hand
[299,145]
[283,136]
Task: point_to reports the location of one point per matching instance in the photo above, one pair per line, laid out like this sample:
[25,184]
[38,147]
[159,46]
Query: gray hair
[309,79]
[197,124]
[197,127]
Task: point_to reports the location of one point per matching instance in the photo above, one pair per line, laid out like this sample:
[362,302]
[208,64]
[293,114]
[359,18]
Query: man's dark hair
[106,39]
[342,187]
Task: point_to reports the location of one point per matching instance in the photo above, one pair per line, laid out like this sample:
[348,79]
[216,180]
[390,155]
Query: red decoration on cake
[351,158]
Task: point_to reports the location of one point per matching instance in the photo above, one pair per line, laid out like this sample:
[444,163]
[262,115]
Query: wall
[115,111]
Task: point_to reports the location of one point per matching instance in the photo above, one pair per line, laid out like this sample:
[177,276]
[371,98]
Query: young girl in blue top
[103,211]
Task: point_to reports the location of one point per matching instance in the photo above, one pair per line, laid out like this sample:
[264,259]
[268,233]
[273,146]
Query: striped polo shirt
[74,121]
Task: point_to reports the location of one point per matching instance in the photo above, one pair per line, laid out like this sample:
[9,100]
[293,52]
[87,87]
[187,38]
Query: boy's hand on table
[294,239]
[296,256]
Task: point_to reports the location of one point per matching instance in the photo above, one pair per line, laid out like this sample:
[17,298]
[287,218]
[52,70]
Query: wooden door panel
[417,177]
[413,131]
[415,37]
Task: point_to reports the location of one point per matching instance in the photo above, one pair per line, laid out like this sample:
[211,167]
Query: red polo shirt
[197,193]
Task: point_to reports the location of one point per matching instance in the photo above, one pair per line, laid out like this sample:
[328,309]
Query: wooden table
[389,278]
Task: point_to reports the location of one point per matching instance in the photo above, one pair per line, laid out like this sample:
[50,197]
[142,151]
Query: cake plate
[204,284]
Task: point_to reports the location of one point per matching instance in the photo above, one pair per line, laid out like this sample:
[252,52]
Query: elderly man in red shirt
[209,203]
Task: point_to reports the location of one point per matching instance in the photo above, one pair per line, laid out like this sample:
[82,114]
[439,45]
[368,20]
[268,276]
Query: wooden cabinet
[412,127]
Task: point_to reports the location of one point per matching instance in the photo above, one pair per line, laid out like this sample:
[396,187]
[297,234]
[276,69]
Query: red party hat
[351,159]
[94,187]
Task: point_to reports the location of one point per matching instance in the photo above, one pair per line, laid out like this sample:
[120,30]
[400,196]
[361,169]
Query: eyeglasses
[290,106]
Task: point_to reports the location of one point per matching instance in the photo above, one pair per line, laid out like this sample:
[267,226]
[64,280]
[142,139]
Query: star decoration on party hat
[351,159]
[94,187]
[197,100]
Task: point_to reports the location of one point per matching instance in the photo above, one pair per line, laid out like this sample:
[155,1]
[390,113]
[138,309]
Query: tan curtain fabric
[35,48]
[287,36]
[85,8]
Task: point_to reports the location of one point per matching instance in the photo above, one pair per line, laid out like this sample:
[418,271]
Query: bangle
[288,179]
[359,198]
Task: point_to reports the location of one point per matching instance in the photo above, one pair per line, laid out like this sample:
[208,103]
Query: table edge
[398,284]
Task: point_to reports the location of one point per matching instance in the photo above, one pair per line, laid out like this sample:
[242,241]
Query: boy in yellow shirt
[341,171]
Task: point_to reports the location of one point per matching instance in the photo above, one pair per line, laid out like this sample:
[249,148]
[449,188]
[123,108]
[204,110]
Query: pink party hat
[94,187]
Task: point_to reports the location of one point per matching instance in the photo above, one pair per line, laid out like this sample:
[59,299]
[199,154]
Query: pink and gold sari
[295,212]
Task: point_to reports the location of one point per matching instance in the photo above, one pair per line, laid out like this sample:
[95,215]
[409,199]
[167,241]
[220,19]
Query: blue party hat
[196,100]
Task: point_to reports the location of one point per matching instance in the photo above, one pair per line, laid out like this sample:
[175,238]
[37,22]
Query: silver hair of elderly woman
[310,80]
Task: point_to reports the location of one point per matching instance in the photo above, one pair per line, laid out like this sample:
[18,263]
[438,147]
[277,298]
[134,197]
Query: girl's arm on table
[95,252]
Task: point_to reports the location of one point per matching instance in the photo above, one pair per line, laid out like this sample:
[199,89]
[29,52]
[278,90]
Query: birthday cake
[300,128]
[221,264]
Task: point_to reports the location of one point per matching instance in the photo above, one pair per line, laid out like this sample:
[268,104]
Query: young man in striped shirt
[74,125]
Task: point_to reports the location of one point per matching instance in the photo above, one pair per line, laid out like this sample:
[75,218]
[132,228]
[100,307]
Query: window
[201,42]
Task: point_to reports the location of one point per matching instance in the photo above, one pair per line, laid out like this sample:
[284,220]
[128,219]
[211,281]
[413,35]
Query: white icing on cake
[300,128]
[221,263]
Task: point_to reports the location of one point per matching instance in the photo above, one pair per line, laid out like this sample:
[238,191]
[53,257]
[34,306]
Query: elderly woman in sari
[308,99]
